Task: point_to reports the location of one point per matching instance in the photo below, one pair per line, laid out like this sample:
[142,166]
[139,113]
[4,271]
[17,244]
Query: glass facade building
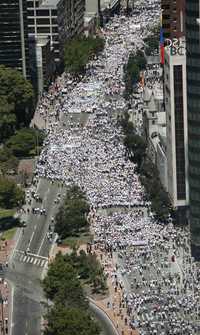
[193,97]
[14,35]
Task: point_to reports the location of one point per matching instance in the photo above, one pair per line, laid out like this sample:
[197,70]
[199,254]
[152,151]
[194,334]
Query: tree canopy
[8,161]
[79,51]
[10,194]
[149,175]
[70,321]
[25,142]
[16,96]
[136,63]
[69,313]
[72,215]
[89,269]
[152,41]
[62,284]
[7,118]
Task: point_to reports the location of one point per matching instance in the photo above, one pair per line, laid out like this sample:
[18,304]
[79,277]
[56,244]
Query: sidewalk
[6,248]
[114,305]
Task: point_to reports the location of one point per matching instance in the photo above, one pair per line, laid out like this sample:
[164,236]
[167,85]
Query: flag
[162,48]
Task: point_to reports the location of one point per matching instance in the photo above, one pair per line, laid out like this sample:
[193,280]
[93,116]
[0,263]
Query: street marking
[38,262]
[42,263]
[31,238]
[35,261]
[32,259]
[28,259]
[41,244]
[21,257]
[31,254]
[24,259]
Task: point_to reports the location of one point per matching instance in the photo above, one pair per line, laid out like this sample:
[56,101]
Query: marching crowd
[152,260]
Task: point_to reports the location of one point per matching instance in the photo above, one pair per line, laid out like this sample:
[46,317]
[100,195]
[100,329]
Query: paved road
[25,269]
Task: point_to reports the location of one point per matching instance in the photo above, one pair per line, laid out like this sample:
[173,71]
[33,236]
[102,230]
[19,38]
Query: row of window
[42,30]
[42,12]
[43,21]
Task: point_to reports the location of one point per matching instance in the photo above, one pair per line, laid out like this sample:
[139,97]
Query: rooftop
[49,3]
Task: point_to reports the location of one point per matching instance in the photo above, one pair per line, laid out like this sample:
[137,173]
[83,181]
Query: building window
[42,12]
[179,132]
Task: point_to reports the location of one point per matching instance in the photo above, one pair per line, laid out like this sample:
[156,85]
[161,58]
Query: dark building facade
[173,18]
[14,35]
[70,18]
[193,97]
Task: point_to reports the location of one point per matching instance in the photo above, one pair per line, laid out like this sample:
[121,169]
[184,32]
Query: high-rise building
[177,134]
[42,22]
[60,20]
[14,35]
[70,18]
[175,101]
[193,98]
[173,18]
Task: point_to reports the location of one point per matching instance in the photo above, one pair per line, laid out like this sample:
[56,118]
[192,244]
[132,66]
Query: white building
[177,128]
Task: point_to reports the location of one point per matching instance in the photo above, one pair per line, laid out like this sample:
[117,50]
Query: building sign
[176,46]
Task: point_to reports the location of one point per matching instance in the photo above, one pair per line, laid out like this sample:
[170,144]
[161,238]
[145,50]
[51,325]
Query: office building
[193,98]
[42,22]
[14,35]
[177,133]
[173,18]
[59,20]
[56,21]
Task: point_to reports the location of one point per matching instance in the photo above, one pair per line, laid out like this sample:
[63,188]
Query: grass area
[77,241]
[9,234]
[4,213]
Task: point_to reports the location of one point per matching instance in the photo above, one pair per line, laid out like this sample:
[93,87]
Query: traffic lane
[41,222]
[27,311]
[40,241]
[31,219]
[46,243]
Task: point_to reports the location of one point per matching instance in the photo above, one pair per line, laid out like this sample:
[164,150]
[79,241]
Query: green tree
[140,60]
[136,146]
[24,142]
[7,119]
[131,74]
[79,51]
[62,284]
[149,175]
[18,92]
[7,161]
[72,215]
[70,321]
[10,194]
[89,269]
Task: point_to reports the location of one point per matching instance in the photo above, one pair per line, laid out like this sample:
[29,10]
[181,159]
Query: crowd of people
[152,261]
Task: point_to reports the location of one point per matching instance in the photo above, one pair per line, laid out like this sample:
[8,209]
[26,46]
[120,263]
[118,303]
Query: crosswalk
[30,259]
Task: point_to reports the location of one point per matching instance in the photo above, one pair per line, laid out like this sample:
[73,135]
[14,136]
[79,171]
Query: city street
[152,270]
[30,260]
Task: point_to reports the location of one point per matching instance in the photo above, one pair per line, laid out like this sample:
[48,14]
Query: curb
[91,301]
